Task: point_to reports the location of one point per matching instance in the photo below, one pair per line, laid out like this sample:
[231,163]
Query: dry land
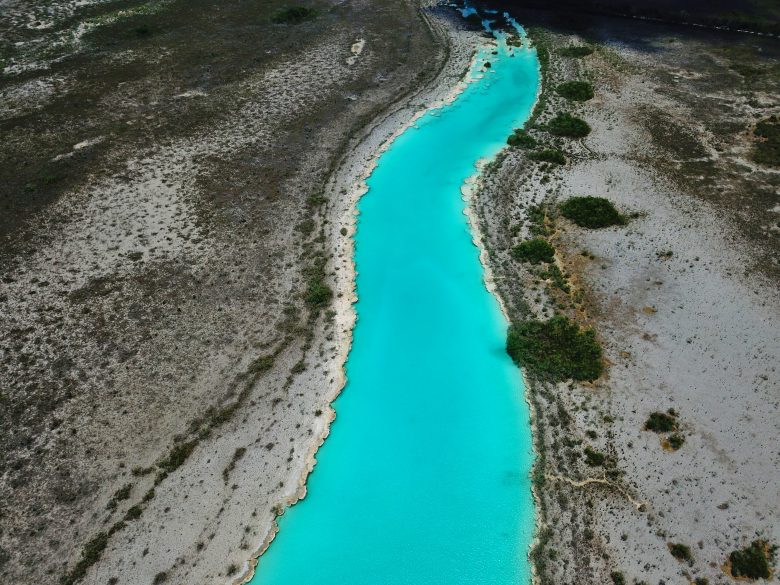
[175,299]
[681,293]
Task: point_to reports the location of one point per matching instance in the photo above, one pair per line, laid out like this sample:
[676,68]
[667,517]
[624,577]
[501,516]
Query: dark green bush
[534,251]
[521,138]
[567,125]
[660,422]
[318,295]
[681,552]
[292,15]
[578,91]
[594,458]
[753,562]
[555,349]
[177,456]
[591,212]
[576,51]
[767,150]
[160,577]
[551,155]
[90,554]
[618,578]
[676,441]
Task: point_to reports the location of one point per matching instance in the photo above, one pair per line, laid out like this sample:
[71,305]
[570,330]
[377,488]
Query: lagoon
[425,477]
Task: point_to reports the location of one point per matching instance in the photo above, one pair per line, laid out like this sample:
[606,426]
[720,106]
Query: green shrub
[618,578]
[676,441]
[160,577]
[591,212]
[292,15]
[551,155]
[681,552]
[754,561]
[521,138]
[701,581]
[90,554]
[318,295]
[534,251]
[177,456]
[767,150]
[578,91]
[594,458]
[660,422]
[555,349]
[567,125]
[576,51]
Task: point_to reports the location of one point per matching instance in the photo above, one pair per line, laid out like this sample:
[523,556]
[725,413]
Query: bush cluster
[681,552]
[556,349]
[567,125]
[534,251]
[551,155]
[591,212]
[578,91]
[660,422]
[753,562]
[521,138]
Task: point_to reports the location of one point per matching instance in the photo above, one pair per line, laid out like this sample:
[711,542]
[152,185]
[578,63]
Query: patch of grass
[520,138]
[534,251]
[661,422]
[576,51]
[551,155]
[681,552]
[767,149]
[593,458]
[556,349]
[591,212]
[293,15]
[578,91]
[754,561]
[261,364]
[567,125]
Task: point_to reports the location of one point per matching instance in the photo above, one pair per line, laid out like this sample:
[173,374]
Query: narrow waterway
[425,478]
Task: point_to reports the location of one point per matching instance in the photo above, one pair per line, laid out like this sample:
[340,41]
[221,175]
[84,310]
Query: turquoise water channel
[425,478]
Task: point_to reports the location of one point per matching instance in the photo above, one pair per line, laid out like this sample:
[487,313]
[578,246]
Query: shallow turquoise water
[425,477]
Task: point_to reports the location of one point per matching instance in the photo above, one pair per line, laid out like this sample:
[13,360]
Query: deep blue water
[425,478]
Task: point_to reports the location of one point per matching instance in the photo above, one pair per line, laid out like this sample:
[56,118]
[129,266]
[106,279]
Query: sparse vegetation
[567,125]
[576,51]
[754,561]
[681,552]
[293,15]
[551,155]
[90,554]
[534,251]
[177,456]
[591,212]
[767,148]
[578,91]
[521,138]
[594,458]
[660,422]
[556,349]
[160,577]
